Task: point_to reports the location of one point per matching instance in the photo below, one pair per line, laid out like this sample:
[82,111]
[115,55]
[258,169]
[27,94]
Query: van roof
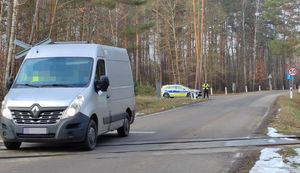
[77,50]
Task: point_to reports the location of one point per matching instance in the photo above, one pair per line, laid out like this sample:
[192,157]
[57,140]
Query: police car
[171,91]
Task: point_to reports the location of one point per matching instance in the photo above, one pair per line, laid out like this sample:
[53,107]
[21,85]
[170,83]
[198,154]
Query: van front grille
[44,116]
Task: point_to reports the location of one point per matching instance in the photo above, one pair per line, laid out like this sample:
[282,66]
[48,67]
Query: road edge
[169,110]
[248,158]
[261,129]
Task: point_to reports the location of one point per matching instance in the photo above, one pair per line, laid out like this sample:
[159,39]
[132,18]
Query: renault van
[69,93]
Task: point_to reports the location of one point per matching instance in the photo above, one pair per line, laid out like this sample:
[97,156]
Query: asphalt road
[194,138]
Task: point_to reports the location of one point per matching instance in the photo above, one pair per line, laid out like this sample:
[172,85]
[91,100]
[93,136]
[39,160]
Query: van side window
[100,71]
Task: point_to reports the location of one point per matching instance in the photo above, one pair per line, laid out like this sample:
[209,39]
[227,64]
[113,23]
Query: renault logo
[35,111]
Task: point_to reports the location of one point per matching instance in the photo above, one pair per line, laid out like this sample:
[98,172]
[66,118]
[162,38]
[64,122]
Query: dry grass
[288,119]
[244,164]
[287,152]
[151,104]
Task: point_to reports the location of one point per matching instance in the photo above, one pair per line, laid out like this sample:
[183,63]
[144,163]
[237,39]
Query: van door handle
[107,96]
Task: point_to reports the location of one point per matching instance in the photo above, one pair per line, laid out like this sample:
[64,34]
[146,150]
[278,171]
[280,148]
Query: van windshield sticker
[35,77]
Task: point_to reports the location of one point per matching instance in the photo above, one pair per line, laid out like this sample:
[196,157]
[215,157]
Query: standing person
[205,88]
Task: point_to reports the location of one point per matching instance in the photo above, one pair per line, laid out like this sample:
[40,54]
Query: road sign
[292,71]
[291,74]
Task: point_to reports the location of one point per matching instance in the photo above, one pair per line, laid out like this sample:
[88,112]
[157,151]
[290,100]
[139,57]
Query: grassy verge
[150,104]
[288,122]
[288,119]
[287,152]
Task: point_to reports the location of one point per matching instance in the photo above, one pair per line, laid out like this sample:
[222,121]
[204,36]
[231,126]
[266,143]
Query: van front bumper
[66,130]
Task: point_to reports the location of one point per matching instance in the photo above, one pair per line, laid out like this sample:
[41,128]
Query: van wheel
[124,130]
[12,145]
[90,140]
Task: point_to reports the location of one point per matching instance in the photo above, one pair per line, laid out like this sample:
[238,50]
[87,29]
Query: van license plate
[32,131]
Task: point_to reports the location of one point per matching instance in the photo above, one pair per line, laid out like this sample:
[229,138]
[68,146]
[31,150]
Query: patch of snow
[294,162]
[271,161]
[237,155]
[273,133]
[139,114]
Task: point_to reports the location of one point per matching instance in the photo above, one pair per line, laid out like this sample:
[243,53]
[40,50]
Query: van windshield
[55,72]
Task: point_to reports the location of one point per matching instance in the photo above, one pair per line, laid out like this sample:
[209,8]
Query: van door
[104,99]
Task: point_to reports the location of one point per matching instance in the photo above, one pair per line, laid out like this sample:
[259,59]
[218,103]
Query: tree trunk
[255,44]
[197,42]
[157,60]
[244,45]
[171,62]
[111,28]
[201,42]
[11,42]
[52,18]
[8,26]
[34,22]
[1,27]
[137,62]
[178,80]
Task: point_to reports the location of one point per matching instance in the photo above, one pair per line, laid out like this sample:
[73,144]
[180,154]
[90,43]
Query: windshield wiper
[56,85]
[29,85]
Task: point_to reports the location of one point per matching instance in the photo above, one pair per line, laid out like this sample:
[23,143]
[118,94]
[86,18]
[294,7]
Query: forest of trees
[168,41]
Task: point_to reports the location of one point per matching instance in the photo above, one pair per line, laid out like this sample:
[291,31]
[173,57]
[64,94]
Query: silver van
[69,93]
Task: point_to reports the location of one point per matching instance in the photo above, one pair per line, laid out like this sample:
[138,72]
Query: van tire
[12,145]
[91,136]
[124,130]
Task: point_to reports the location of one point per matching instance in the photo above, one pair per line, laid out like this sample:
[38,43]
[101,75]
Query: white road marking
[272,141]
[139,114]
[142,132]
[163,112]
[237,155]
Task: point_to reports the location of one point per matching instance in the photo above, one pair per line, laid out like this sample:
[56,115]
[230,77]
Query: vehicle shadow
[66,147]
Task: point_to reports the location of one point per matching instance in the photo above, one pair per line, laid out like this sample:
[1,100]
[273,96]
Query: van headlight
[74,108]
[5,111]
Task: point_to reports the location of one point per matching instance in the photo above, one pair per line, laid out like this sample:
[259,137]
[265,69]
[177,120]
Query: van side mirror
[9,83]
[102,84]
